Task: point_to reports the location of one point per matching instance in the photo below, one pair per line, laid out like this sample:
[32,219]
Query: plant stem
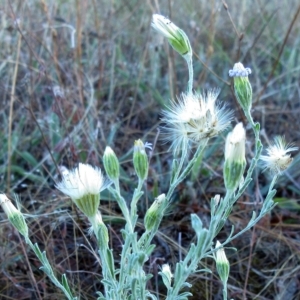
[225,291]
[49,271]
[189,60]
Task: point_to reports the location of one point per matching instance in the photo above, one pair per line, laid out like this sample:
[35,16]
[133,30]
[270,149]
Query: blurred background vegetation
[78,75]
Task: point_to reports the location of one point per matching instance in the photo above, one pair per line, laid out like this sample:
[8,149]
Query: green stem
[225,291]
[134,201]
[187,170]
[49,271]
[189,60]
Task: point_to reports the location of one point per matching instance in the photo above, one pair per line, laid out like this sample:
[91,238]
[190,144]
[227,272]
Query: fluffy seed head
[194,118]
[277,159]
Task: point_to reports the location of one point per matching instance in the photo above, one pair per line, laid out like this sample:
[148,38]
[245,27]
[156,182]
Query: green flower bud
[111,164]
[100,231]
[166,275]
[155,213]
[103,237]
[223,266]
[242,86]
[176,37]
[15,217]
[140,160]
[235,161]
[196,224]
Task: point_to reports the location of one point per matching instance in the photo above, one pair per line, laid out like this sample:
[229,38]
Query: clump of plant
[189,123]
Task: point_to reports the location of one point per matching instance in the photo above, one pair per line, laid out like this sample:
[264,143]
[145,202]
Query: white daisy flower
[194,118]
[277,159]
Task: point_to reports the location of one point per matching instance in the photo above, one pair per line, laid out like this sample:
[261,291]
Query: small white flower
[82,181]
[194,118]
[239,71]
[277,159]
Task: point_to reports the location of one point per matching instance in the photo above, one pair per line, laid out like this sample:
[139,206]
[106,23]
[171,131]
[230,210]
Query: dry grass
[63,105]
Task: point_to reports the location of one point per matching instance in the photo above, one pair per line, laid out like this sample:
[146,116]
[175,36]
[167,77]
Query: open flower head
[278,158]
[242,86]
[83,185]
[239,71]
[194,118]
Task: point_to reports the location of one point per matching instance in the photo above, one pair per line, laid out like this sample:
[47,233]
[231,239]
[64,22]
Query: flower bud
[223,266]
[100,231]
[111,164]
[166,275]
[242,86]
[216,200]
[140,160]
[176,37]
[155,213]
[196,224]
[15,217]
[235,161]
